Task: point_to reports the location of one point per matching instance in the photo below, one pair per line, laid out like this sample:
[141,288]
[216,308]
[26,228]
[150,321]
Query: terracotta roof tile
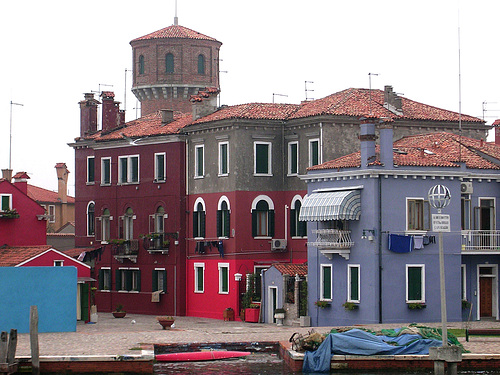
[431,150]
[12,256]
[43,195]
[292,269]
[175,31]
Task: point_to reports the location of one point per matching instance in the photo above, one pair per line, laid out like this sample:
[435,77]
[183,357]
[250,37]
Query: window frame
[90,170]
[105,282]
[197,287]
[52,213]
[156,166]
[323,296]
[106,226]
[424,212]
[90,220]
[58,263]
[298,229]
[157,280]
[422,283]
[142,64]
[169,63]
[269,171]
[129,169]
[9,197]
[223,159]
[105,167]
[311,142]
[223,219]
[350,268]
[199,165]
[223,277]
[291,157]
[257,216]
[201,64]
[199,219]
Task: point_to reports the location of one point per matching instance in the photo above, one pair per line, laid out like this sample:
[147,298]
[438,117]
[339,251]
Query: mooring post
[35,354]
[3,347]
[11,347]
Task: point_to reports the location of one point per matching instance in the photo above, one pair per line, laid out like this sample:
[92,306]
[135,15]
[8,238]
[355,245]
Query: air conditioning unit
[278,244]
[466,188]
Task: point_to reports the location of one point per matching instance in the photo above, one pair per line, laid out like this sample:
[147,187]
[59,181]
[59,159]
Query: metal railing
[126,247]
[332,239]
[156,241]
[481,240]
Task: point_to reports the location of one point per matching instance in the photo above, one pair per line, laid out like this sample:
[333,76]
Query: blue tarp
[358,342]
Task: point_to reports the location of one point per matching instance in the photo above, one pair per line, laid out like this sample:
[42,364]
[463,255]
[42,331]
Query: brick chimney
[88,115]
[21,181]
[62,182]
[367,139]
[496,126]
[204,103]
[7,174]
[111,117]
[386,145]
[167,116]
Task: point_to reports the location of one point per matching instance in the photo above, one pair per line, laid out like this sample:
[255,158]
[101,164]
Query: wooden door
[485,292]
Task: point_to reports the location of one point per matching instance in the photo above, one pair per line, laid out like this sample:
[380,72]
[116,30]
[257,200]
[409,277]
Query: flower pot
[119,314]
[165,321]
[279,316]
[252,315]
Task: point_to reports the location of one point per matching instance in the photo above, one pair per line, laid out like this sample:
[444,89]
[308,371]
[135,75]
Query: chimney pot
[167,116]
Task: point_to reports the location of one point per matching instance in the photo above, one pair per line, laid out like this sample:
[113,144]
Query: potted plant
[322,304]
[228,314]
[279,313]
[165,321]
[252,313]
[119,312]
[350,305]
[416,305]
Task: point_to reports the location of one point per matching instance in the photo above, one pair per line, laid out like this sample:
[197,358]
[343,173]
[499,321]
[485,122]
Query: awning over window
[333,205]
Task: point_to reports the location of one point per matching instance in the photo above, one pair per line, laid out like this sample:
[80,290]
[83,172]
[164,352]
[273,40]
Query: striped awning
[332,205]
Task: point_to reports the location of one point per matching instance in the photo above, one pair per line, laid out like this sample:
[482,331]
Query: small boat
[208,355]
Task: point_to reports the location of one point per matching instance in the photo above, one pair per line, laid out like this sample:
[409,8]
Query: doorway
[272,303]
[488,293]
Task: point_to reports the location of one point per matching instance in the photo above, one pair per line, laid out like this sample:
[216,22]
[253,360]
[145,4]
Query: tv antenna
[10,140]
[176,19]
[279,95]
[370,88]
[307,90]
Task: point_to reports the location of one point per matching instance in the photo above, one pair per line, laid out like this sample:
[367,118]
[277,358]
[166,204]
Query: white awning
[333,205]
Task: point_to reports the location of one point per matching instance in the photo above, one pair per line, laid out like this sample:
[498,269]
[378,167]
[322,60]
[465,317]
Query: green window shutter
[354,283]
[219,223]
[225,279]
[101,279]
[91,169]
[123,170]
[223,155]
[202,223]
[414,283]
[138,280]
[227,222]
[254,223]
[261,158]
[195,224]
[293,223]
[293,158]
[199,278]
[106,171]
[135,169]
[160,167]
[327,283]
[199,161]
[270,217]
[5,202]
[155,280]
[164,281]
[314,153]
[118,279]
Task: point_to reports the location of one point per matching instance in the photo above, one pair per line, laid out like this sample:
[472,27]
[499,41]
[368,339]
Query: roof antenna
[370,89]
[459,91]
[176,19]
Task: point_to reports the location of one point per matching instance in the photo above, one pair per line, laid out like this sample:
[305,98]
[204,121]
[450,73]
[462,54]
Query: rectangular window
[128,169]
[128,279]
[262,158]
[415,283]
[106,171]
[105,278]
[58,263]
[52,213]
[314,155]
[199,166]
[293,158]
[353,287]
[418,214]
[159,280]
[326,282]
[6,202]
[223,158]
[199,275]
[160,170]
[223,278]
[90,169]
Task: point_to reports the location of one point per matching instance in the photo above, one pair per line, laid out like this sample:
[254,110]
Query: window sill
[223,292]
[415,232]
[198,292]
[159,181]
[105,291]
[198,177]
[262,175]
[292,175]
[223,175]
[262,238]
[105,183]
[223,238]
[128,183]
[299,237]
[90,183]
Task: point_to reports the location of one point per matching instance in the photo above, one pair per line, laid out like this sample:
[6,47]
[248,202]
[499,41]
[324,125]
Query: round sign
[439,196]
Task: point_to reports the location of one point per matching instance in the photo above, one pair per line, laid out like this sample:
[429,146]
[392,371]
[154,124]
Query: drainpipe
[320,142]
[380,268]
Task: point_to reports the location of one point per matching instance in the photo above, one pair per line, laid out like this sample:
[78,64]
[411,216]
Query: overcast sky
[53,51]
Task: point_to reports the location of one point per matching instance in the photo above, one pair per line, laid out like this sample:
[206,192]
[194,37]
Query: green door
[84,301]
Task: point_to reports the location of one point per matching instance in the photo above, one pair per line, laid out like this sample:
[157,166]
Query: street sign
[440,223]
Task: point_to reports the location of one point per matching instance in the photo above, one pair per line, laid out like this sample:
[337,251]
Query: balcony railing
[125,249]
[156,242]
[333,241]
[481,240]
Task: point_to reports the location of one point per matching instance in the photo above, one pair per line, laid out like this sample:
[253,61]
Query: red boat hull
[209,355]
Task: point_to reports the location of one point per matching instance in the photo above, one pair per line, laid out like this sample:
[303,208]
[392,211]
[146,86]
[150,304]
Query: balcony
[481,241]
[156,243]
[125,249]
[333,241]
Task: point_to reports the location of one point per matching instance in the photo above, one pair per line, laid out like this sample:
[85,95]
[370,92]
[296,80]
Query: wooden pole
[35,353]
[11,347]
[3,347]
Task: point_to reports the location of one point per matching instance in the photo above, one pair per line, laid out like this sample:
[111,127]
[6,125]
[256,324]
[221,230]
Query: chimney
[392,101]
[7,174]
[496,125]
[121,114]
[62,182]
[21,181]
[167,116]
[88,115]
[367,139]
[386,146]
[110,111]
[204,103]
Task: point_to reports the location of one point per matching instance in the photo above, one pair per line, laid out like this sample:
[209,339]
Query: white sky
[53,51]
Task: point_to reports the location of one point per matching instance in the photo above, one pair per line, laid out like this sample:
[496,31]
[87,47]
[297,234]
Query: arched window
[201,64]
[223,220]
[262,220]
[159,220]
[297,228]
[199,221]
[91,219]
[127,231]
[141,64]
[169,63]
[105,225]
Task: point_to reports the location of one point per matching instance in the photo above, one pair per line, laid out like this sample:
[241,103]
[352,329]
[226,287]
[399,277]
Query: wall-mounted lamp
[368,234]
[237,276]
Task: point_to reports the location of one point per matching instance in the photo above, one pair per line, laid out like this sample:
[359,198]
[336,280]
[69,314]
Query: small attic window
[201,64]
[141,64]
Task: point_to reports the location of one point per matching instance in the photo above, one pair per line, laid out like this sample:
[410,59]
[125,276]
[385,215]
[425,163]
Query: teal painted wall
[52,289]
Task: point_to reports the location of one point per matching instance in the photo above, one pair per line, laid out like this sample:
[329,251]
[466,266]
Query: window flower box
[416,305]
[252,313]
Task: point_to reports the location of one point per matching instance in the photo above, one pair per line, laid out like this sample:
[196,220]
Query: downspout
[380,319]
[321,142]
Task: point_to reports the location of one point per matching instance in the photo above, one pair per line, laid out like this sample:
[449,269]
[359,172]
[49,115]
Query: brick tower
[170,65]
